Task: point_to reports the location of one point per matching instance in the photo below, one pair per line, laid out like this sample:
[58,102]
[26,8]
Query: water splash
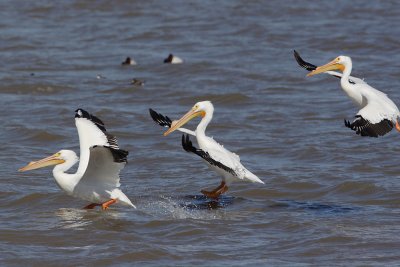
[187,207]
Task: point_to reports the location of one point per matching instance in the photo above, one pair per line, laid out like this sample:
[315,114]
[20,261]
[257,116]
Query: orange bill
[193,113]
[49,161]
[333,65]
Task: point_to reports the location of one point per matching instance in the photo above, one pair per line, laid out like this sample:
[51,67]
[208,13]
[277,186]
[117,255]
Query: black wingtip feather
[364,127]
[119,155]
[186,143]
[81,113]
[305,65]
[160,119]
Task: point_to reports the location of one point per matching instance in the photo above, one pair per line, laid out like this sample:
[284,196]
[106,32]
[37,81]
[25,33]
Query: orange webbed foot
[397,126]
[106,204]
[222,188]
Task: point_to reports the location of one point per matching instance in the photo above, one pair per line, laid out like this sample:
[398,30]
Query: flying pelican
[378,114]
[221,160]
[101,160]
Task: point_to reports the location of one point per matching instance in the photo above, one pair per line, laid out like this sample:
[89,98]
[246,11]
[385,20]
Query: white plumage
[220,154]
[377,115]
[97,178]
[218,158]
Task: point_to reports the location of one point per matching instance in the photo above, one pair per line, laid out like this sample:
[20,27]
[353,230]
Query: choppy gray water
[331,197]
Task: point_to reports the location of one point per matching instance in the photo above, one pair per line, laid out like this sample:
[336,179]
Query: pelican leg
[222,188]
[397,126]
[91,206]
[106,204]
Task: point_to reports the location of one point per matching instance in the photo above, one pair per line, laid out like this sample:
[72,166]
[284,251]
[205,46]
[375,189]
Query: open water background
[330,198]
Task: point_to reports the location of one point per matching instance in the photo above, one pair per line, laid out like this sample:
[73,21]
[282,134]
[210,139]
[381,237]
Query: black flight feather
[119,155]
[161,120]
[306,65]
[188,147]
[364,127]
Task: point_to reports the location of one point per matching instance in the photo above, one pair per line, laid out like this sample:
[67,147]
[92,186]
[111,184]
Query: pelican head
[338,63]
[199,109]
[60,157]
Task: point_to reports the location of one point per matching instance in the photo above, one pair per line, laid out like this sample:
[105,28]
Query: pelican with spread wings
[97,178]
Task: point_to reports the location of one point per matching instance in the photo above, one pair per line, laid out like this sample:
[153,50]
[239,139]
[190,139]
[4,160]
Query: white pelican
[378,114]
[221,160]
[173,59]
[97,177]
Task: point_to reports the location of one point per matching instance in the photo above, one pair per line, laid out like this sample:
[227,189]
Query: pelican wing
[364,127]
[92,132]
[188,147]
[377,117]
[310,67]
[165,121]
[226,158]
[220,154]
[305,65]
[160,119]
[104,166]
[372,120]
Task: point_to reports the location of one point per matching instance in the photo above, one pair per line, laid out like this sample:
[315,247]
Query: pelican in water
[378,114]
[218,158]
[101,160]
